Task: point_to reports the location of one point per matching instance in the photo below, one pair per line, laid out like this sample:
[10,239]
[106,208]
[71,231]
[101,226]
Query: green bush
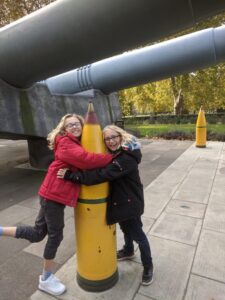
[215,132]
[215,118]
[177,135]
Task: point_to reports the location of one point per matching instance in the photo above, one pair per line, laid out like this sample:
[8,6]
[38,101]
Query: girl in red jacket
[55,194]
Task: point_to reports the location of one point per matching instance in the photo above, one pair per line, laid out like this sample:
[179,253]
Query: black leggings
[50,221]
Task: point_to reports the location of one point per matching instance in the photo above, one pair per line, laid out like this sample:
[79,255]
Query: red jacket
[69,154]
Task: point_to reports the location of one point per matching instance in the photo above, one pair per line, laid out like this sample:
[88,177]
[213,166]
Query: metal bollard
[201,129]
[96,241]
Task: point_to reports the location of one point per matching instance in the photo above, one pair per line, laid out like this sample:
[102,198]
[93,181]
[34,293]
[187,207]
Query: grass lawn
[154,130]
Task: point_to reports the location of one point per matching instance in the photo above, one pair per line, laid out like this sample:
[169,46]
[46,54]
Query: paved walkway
[184,219]
[185,222]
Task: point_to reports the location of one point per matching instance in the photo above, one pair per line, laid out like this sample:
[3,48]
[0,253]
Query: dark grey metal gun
[70,33]
[177,56]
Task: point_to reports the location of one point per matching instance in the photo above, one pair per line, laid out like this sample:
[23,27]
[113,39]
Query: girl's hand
[61,173]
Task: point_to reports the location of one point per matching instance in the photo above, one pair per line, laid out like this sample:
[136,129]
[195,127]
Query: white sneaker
[52,285]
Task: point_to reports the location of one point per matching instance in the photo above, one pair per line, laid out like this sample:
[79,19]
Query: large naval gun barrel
[71,33]
[170,58]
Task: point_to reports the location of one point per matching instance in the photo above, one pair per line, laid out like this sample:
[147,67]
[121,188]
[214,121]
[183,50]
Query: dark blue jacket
[126,198]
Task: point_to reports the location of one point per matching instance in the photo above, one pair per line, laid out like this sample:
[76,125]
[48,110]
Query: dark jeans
[50,221]
[132,230]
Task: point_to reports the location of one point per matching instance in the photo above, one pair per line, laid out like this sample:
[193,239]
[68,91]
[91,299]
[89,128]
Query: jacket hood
[133,144]
[133,149]
[136,154]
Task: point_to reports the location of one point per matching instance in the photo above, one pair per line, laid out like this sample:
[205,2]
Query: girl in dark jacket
[126,202]
[55,194]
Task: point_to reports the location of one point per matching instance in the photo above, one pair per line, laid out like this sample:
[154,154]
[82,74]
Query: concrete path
[185,222]
[184,219]
[12,152]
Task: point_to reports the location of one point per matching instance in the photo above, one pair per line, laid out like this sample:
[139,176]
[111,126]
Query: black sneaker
[123,255]
[147,276]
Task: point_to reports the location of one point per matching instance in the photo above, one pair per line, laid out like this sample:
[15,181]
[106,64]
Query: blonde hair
[125,136]
[60,129]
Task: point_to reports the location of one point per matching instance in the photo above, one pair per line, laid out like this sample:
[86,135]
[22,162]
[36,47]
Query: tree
[176,84]
[207,89]
[154,97]
[11,10]
[183,93]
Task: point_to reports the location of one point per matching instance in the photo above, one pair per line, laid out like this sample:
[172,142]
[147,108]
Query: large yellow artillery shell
[96,241]
[201,130]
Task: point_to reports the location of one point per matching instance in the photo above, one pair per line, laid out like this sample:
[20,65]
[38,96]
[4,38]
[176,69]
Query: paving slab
[200,178]
[157,155]
[162,189]
[24,269]
[186,208]
[197,195]
[200,288]
[172,263]
[215,217]
[171,178]
[18,185]
[210,256]
[129,274]
[31,202]
[142,297]
[177,228]
[199,184]
[156,201]
[217,193]
[15,214]
[10,248]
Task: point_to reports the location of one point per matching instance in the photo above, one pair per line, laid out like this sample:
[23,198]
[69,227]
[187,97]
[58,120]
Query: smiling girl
[54,194]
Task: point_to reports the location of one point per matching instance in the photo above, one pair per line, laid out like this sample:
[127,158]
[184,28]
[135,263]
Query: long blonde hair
[60,129]
[125,136]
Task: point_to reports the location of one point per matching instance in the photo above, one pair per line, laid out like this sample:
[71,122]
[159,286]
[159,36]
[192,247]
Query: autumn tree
[183,93]
[11,10]
[207,89]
